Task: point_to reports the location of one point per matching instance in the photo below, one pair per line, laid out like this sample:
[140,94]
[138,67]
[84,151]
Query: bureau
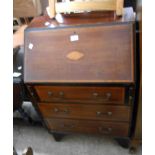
[81,73]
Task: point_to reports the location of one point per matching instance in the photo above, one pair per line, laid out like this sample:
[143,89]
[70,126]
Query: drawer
[82,94]
[80,111]
[87,126]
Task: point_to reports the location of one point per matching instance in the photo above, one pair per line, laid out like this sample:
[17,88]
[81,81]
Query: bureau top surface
[65,20]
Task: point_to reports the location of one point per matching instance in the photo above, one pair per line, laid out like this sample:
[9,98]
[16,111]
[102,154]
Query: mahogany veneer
[81,73]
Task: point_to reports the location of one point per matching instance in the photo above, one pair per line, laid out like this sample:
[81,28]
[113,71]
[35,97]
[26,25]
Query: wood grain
[88,127]
[107,58]
[81,111]
[81,94]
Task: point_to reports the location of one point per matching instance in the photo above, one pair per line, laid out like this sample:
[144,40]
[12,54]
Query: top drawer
[94,53]
[89,94]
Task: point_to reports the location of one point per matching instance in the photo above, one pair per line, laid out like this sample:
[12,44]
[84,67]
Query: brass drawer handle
[105,130]
[95,94]
[56,110]
[61,94]
[65,111]
[49,93]
[99,113]
[108,95]
[104,97]
[68,126]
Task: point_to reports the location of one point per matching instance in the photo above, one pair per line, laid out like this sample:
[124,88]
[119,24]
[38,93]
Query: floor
[43,143]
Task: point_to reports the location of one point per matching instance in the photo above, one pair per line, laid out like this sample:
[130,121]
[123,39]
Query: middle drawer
[80,111]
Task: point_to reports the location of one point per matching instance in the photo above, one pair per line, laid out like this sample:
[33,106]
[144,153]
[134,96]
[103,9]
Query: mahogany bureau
[81,73]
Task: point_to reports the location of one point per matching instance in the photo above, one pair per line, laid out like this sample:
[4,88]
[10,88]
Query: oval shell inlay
[75,55]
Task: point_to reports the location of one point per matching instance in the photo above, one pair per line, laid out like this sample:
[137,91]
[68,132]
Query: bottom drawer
[90,127]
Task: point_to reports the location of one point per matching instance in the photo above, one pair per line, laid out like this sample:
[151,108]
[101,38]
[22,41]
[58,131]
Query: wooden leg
[124,142]
[58,136]
[132,150]
[135,143]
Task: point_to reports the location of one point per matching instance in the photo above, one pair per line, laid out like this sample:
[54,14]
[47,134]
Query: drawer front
[89,127]
[81,94]
[80,111]
[98,53]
